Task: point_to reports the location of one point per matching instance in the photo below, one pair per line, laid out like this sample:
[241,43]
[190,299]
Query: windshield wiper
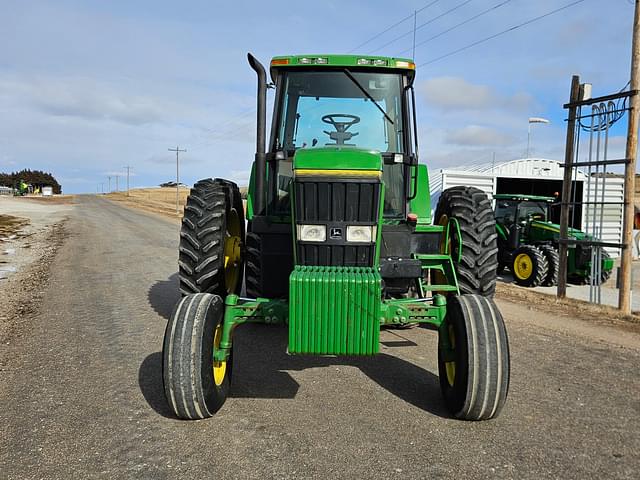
[367,94]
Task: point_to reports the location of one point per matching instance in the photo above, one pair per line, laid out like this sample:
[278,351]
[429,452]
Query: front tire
[476,270]
[195,385]
[475,369]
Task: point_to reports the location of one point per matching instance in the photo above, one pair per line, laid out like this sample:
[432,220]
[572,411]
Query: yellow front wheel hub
[523,266]
[219,368]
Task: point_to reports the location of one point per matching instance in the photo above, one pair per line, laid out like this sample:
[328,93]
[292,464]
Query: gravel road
[81,390]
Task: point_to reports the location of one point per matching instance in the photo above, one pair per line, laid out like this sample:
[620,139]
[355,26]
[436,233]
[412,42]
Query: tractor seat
[341,137]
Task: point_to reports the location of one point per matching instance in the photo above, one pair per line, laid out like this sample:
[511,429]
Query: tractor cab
[516,212]
[329,104]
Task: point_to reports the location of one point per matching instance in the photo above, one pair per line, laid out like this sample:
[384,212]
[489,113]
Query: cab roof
[341,61]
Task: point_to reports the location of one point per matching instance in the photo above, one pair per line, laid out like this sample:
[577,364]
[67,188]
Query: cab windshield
[341,108]
[513,211]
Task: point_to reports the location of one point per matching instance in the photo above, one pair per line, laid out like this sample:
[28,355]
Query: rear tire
[212,239]
[553,262]
[529,266]
[474,373]
[604,275]
[195,386]
[476,270]
[253,266]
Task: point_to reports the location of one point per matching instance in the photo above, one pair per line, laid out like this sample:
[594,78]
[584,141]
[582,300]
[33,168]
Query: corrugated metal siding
[612,214]
[451,178]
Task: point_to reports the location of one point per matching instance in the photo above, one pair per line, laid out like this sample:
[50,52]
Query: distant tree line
[37,178]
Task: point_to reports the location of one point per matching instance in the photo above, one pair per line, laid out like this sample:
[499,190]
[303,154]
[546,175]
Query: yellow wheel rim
[450,367]
[523,266]
[232,252]
[219,368]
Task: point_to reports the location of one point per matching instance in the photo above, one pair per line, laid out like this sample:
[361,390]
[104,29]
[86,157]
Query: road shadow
[163,296]
[150,382]
[261,370]
[261,367]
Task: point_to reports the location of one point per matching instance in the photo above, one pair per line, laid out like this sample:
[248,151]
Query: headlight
[361,233]
[312,233]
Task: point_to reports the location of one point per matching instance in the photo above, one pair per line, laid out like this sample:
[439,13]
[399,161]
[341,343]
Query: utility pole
[127,167]
[624,299]
[109,184]
[566,188]
[117,188]
[177,150]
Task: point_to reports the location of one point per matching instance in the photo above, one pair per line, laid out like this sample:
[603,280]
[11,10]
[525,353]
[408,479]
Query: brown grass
[55,199]
[569,306]
[156,200]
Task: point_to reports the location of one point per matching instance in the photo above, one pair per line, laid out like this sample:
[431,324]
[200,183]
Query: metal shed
[538,176]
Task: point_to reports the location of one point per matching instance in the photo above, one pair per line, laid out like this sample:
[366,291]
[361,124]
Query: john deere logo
[335,233]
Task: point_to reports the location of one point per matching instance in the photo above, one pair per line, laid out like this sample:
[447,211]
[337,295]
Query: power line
[491,37]
[410,32]
[217,133]
[484,12]
[392,26]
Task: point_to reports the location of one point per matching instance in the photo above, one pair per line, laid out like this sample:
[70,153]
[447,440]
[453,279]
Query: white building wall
[611,214]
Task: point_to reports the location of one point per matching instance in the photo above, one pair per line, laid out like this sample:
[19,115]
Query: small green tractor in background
[528,244]
[338,242]
[21,189]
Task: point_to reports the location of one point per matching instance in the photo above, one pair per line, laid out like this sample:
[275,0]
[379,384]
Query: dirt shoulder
[573,317]
[31,231]
[21,292]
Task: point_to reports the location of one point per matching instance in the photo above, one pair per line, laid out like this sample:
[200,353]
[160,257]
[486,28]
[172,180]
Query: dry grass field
[158,200]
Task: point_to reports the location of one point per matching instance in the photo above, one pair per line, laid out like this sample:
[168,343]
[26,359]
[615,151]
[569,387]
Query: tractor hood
[555,228]
[337,158]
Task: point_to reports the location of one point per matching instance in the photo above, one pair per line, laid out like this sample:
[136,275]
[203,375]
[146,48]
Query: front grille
[336,203]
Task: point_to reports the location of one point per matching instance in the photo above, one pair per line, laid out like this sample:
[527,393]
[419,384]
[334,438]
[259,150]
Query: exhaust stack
[260,158]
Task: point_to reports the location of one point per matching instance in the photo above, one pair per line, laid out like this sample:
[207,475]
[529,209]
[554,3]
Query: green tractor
[338,242]
[22,189]
[528,244]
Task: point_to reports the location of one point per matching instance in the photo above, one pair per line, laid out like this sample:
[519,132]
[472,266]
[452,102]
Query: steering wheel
[341,134]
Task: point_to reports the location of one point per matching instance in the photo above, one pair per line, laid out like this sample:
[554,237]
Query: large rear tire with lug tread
[195,385]
[253,266]
[604,274]
[474,371]
[212,239]
[476,270]
[553,262]
[529,266]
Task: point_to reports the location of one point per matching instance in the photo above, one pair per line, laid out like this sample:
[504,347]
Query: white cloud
[475,135]
[241,177]
[456,93]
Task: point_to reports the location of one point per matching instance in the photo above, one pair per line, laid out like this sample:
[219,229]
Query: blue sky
[88,87]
